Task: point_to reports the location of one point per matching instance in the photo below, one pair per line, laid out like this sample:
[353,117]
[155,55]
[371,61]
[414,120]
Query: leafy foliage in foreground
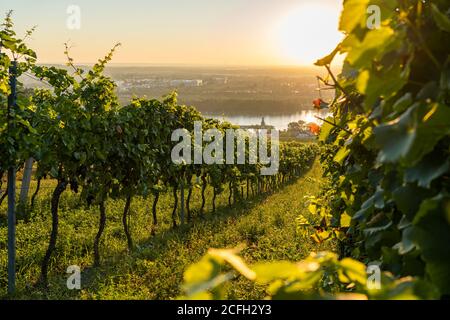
[81,137]
[316,277]
[387,144]
[386,153]
[154,269]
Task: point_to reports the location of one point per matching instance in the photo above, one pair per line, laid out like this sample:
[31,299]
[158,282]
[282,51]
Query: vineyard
[82,140]
[372,193]
[385,152]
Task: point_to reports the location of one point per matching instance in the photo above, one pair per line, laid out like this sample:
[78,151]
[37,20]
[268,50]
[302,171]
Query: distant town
[221,91]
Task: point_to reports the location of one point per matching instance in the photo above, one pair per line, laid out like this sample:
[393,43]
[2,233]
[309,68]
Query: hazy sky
[216,32]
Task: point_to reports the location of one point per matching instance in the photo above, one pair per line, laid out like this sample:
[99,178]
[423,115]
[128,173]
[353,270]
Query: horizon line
[149,64]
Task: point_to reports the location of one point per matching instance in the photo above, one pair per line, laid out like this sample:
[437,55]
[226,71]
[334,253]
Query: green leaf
[353,14]
[414,134]
[408,199]
[4,88]
[387,8]
[341,155]
[345,220]
[395,138]
[268,272]
[374,230]
[403,103]
[407,244]
[329,58]
[362,54]
[433,237]
[441,20]
[365,211]
[9,44]
[100,155]
[375,201]
[376,85]
[352,271]
[230,256]
[201,275]
[54,172]
[326,129]
[430,168]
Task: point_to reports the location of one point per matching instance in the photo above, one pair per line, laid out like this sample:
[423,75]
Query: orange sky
[189,32]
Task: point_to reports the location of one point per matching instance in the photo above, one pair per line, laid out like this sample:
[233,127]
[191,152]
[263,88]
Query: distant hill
[221,90]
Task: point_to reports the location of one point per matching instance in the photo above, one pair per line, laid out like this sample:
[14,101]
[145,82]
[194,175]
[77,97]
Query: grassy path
[265,225]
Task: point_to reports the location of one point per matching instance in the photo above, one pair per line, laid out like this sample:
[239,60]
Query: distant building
[187,83]
[221,80]
[305,136]
[257,127]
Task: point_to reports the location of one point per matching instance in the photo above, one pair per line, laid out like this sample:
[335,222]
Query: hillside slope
[264,225]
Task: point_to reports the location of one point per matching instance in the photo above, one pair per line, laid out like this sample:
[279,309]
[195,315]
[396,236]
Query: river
[279,122]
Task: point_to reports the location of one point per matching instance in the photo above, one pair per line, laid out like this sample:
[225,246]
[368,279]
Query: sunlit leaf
[442,21]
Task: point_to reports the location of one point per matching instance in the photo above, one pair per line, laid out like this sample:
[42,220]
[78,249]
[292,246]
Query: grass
[154,270]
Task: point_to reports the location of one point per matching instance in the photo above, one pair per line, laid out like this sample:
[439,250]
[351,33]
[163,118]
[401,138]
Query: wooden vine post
[12,189]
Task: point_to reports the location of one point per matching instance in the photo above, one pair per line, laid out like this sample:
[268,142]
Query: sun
[310,118]
[308,33]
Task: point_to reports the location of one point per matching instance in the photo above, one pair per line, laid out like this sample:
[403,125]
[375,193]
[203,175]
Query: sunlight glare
[310,118]
[308,33]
